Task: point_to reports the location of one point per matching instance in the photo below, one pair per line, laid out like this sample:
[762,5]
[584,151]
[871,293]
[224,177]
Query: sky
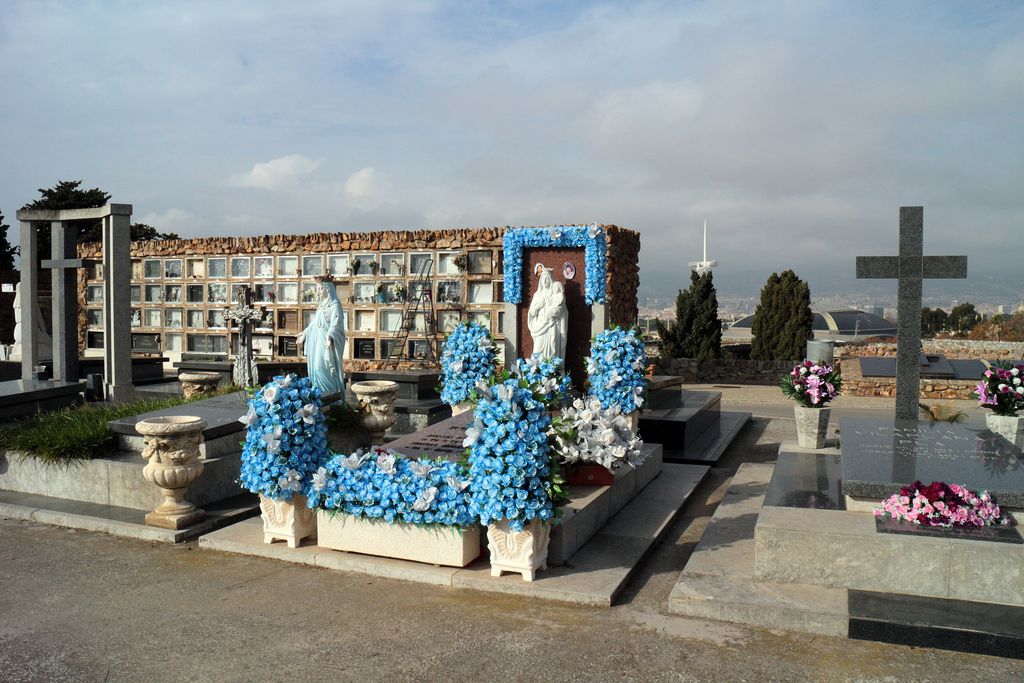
[797,129]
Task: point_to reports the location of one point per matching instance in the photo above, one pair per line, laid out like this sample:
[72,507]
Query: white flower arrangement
[589,432]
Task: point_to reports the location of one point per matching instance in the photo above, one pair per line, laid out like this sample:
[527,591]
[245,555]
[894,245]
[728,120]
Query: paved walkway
[89,607]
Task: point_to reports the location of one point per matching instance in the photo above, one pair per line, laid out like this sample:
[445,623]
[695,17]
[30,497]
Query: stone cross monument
[910,268]
[63,265]
[246,316]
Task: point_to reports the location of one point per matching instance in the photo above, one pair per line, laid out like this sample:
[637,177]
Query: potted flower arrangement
[398,292]
[513,482]
[594,441]
[373,265]
[353,267]
[285,443]
[812,386]
[941,505]
[616,370]
[468,359]
[1001,390]
[380,293]
[460,261]
[381,503]
[547,377]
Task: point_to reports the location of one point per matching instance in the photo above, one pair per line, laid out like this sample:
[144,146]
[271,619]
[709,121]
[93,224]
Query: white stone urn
[1010,427]
[461,407]
[811,426]
[287,520]
[172,459]
[196,384]
[524,552]
[377,404]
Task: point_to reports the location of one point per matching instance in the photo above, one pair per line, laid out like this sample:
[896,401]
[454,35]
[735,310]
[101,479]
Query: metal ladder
[422,302]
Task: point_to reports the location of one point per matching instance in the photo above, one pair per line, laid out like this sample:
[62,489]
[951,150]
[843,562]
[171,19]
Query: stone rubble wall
[855,384]
[951,348]
[623,275]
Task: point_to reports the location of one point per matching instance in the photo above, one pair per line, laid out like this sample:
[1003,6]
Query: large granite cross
[910,267]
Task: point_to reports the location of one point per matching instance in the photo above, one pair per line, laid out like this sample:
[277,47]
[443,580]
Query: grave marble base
[452,547]
[115,480]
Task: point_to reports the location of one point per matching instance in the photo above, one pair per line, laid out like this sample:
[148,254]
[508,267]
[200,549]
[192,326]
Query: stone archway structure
[63,265]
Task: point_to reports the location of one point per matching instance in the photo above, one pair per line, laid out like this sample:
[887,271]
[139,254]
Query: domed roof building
[834,325]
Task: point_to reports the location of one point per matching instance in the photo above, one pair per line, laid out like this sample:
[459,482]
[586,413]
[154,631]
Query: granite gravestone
[910,268]
[878,459]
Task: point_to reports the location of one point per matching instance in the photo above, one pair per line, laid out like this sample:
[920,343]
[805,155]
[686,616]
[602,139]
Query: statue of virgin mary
[323,341]
[548,317]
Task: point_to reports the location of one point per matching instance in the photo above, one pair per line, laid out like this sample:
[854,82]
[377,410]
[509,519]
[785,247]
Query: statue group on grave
[548,316]
[323,341]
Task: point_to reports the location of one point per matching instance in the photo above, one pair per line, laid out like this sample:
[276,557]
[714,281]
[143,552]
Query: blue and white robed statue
[323,341]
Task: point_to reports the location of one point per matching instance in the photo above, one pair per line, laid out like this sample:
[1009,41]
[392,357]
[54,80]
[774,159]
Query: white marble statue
[43,343]
[548,317]
[323,342]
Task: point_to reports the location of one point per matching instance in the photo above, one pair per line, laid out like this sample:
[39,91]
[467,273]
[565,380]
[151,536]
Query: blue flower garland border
[591,237]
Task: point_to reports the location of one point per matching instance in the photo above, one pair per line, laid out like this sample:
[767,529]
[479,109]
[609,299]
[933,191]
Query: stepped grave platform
[602,536]
[690,425]
[785,550]
[112,490]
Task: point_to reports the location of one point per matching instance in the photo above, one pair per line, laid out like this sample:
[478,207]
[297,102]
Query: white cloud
[171,220]
[368,187]
[276,173]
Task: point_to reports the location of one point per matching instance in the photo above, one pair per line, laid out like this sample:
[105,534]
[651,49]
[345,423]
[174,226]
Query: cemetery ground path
[91,607]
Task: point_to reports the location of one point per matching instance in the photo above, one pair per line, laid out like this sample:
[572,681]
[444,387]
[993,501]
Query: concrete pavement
[88,607]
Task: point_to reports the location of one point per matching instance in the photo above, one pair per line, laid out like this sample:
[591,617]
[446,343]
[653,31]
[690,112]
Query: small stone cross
[246,316]
[910,268]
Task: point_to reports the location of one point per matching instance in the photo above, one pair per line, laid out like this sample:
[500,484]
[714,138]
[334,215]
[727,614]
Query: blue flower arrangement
[509,461]
[468,358]
[381,484]
[616,368]
[286,439]
[591,237]
[546,377]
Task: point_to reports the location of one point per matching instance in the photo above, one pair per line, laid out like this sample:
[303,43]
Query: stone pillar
[598,319]
[511,332]
[64,305]
[117,271]
[29,298]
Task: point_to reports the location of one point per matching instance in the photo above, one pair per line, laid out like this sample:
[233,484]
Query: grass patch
[80,433]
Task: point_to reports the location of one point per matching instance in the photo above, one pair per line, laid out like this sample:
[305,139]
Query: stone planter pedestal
[172,463]
[522,552]
[287,520]
[377,404]
[196,384]
[461,407]
[811,426]
[1010,427]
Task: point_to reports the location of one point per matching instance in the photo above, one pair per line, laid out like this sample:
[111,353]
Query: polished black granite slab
[441,440]
[997,534]
[676,418]
[220,412]
[880,457]
[963,626]
[942,368]
[806,480]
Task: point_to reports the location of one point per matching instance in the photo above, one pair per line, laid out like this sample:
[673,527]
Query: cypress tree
[783,319]
[696,332]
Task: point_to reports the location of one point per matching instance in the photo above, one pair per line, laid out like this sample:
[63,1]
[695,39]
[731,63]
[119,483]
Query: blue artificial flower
[468,358]
[383,484]
[591,237]
[286,438]
[617,369]
[509,463]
